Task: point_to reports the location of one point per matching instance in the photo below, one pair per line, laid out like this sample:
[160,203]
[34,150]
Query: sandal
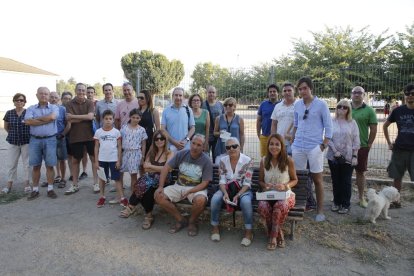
[57,180]
[128,211]
[62,184]
[147,223]
[178,226]
[281,241]
[27,190]
[272,244]
[192,230]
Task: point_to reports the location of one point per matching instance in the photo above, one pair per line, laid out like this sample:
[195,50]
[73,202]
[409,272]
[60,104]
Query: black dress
[147,123]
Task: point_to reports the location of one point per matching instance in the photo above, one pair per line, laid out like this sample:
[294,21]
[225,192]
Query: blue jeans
[245,203]
[42,149]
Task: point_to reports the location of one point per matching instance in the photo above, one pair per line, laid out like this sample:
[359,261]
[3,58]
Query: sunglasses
[411,93]
[19,101]
[344,107]
[306,114]
[235,146]
[159,139]
[228,105]
[141,98]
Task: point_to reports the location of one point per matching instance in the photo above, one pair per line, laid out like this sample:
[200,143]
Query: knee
[199,201]
[246,203]
[160,198]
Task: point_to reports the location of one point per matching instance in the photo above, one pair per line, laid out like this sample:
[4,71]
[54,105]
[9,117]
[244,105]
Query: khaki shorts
[175,192]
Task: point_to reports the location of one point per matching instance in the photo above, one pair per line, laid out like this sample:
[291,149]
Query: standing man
[263,121]
[312,129]
[402,158]
[195,171]
[178,121]
[41,118]
[108,103]
[366,120]
[124,107]
[215,108]
[91,94]
[283,114]
[80,113]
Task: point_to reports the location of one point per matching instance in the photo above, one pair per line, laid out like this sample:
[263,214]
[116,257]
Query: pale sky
[86,39]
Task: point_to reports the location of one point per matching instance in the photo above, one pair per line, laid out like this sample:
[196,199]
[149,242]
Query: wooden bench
[295,214]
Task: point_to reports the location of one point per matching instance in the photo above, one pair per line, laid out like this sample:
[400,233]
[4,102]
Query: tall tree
[158,74]
[208,74]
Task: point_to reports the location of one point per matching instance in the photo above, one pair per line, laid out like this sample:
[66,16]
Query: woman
[18,136]
[157,157]
[201,117]
[276,172]
[234,167]
[342,156]
[228,124]
[150,116]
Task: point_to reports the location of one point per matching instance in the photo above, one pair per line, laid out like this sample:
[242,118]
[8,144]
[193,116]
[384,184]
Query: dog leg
[385,211]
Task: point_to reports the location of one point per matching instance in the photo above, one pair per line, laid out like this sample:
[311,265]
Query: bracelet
[323,145]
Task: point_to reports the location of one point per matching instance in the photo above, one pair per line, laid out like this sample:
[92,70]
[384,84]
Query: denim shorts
[61,150]
[110,166]
[42,149]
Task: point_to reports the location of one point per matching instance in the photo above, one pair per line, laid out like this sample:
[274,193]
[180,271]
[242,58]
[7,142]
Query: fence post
[138,85]
[272,75]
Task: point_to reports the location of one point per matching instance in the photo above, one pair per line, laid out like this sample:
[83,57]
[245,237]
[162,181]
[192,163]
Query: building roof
[7,64]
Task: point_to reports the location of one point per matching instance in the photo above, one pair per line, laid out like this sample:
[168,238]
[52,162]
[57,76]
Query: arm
[386,134]
[372,134]
[41,120]
[67,128]
[163,176]
[152,168]
[79,118]
[143,149]
[273,128]
[216,127]
[292,174]
[259,125]
[97,115]
[207,130]
[241,134]
[96,151]
[156,119]
[169,138]
[6,126]
[190,132]
[119,148]
[118,123]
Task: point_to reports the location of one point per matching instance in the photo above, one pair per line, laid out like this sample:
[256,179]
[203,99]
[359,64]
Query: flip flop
[272,245]
[147,223]
[178,226]
[192,230]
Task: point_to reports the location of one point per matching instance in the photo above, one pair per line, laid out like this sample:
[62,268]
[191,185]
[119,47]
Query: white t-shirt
[108,144]
[284,115]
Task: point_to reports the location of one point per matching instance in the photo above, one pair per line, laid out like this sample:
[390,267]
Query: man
[91,94]
[215,108]
[80,113]
[282,116]
[124,107]
[263,121]
[61,151]
[195,170]
[402,158]
[366,120]
[178,121]
[108,103]
[312,129]
[42,146]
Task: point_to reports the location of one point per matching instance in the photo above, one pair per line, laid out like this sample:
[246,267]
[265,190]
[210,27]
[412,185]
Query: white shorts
[175,192]
[314,156]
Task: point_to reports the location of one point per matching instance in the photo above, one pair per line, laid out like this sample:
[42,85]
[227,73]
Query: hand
[158,192]
[180,145]
[268,186]
[97,165]
[118,165]
[185,194]
[236,198]
[280,187]
[390,146]
[69,116]
[354,161]
[146,165]
[226,197]
[337,154]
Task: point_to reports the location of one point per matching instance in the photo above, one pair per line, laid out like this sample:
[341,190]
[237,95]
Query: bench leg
[292,229]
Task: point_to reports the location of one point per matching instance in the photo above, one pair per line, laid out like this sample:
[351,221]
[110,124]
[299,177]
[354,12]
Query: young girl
[133,145]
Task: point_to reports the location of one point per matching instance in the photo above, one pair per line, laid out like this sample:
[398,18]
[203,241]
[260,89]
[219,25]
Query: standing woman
[150,119]
[201,118]
[228,125]
[18,137]
[276,172]
[342,156]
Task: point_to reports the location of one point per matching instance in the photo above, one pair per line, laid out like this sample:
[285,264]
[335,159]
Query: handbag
[146,182]
[232,188]
[340,160]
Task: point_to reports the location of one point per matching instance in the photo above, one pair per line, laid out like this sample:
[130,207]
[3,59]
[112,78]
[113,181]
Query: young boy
[108,155]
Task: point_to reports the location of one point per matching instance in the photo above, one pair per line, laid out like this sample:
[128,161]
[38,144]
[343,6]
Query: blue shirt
[318,123]
[61,119]
[176,122]
[265,112]
[35,111]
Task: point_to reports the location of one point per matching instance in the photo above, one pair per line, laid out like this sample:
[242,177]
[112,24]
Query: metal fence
[248,86]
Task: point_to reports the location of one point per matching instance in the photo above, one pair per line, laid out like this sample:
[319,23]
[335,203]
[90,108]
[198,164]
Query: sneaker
[96,188]
[51,194]
[335,208]
[83,176]
[72,190]
[114,201]
[310,208]
[320,218]
[343,210]
[101,202]
[124,202]
[27,190]
[5,190]
[33,195]
[363,203]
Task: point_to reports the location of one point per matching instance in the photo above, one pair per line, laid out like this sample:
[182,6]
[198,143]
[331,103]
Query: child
[133,144]
[108,155]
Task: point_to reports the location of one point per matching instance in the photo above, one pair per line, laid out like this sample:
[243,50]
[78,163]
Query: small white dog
[380,202]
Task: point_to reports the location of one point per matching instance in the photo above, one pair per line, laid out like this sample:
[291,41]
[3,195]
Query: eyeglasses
[159,139]
[357,92]
[19,101]
[195,100]
[411,93]
[228,105]
[235,146]
[141,98]
[344,107]
[306,114]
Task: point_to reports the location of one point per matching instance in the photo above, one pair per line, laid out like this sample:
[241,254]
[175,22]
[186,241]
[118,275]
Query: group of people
[129,136]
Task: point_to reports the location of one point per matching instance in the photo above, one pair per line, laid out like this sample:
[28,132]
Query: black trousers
[341,175]
[147,200]
[211,147]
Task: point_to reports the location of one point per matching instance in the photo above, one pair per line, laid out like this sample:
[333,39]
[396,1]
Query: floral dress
[131,147]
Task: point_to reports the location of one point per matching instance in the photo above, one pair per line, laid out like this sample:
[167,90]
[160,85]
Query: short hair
[306,80]
[107,112]
[79,84]
[409,87]
[65,94]
[229,100]
[348,116]
[288,84]
[91,87]
[359,88]
[107,84]
[235,139]
[148,97]
[211,87]
[178,88]
[135,111]
[18,95]
[127,84]
[273,86]
[198,135]
[191,99]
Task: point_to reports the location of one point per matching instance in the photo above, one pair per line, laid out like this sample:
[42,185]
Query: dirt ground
[70,236]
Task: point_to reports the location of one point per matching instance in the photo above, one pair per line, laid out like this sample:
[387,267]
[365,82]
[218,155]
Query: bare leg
[94,169]
[317,179]
[62,166]
[75,171]
[36,176]
[199,203]
[168,206]
[50,174]
[84,160]
[70,157]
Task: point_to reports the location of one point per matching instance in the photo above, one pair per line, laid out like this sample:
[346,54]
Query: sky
[87,39]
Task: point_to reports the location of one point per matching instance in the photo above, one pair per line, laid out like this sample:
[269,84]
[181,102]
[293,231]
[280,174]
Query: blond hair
[348,115]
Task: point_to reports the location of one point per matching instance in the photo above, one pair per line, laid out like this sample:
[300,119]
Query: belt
[43,137]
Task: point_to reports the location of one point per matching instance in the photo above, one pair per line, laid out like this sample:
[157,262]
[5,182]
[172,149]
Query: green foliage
[205,74]
[158,74]
[63,86]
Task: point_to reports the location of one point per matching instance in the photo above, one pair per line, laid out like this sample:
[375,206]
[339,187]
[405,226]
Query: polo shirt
[265,111]
[82,131]
[364,116]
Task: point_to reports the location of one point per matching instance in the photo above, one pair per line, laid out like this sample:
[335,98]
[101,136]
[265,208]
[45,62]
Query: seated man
[195,170]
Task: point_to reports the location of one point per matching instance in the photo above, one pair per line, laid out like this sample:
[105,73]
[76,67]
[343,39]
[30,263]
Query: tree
[158,74]
[63,86]
[205,74]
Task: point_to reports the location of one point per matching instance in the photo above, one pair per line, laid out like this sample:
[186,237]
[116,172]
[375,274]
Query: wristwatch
[186,138]
[323,146]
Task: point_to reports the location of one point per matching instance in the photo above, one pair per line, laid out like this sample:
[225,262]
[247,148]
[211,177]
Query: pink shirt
[123,108]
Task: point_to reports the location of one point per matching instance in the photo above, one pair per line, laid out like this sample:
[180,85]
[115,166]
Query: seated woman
[234,167]
[157,156]
[277,172]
